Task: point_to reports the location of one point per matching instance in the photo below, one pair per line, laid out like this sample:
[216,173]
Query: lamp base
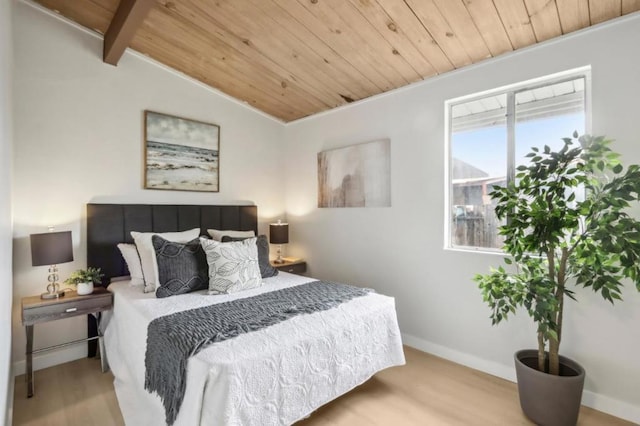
[54,295]
[279,260]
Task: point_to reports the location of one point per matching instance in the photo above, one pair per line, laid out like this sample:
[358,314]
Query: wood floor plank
[72,394]
[426,391]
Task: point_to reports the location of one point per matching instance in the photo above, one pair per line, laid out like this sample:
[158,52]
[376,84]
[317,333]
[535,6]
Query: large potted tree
[567,223]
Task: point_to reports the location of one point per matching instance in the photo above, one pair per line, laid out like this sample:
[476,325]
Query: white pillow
[132,259]
[233,266]
[148,254]
[217,234]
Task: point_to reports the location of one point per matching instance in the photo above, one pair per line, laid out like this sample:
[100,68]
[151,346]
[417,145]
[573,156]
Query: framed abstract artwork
[180,154]
[355,176]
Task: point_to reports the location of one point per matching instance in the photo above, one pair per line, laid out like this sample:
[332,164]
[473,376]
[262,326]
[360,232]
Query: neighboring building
[472,207]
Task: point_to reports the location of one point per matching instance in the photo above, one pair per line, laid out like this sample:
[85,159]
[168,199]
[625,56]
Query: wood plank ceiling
[294,58]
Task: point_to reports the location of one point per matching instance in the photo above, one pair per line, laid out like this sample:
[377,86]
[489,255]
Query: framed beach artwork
[355,176]
[180,154]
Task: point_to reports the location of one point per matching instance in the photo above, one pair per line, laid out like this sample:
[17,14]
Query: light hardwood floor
[427,391]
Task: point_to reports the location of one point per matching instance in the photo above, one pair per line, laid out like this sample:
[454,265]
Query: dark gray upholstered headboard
[110,224]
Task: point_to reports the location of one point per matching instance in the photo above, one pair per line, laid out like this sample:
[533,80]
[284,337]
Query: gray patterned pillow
[266,270]
[233,266]
[182,267]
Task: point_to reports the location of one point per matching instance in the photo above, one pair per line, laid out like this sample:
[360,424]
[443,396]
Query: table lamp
[279,234]
[51,248]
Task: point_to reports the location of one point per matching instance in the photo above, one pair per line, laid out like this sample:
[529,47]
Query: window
[488,138]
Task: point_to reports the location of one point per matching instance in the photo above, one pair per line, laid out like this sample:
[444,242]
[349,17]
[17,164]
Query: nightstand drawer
[65,309]
[296,268]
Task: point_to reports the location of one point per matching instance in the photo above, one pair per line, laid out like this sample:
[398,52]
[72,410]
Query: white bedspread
[273,376]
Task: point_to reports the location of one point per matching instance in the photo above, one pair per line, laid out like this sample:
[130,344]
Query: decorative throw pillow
[233,266]
[148,255]
[182,267]
[217,234]
[132,259]
[266,270]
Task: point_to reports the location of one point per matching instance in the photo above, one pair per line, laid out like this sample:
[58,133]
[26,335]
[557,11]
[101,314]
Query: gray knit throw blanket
[172,339]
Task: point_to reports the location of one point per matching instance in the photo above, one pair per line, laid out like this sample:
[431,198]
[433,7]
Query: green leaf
[597,236]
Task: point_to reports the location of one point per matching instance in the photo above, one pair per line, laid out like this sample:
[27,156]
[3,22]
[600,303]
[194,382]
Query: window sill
[480,250]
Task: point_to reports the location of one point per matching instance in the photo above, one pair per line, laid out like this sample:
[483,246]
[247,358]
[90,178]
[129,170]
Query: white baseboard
[615,407]
[10,396]
[52,358]
[493,368]
[594,400]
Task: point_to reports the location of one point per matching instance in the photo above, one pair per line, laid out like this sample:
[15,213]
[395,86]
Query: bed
[275,375]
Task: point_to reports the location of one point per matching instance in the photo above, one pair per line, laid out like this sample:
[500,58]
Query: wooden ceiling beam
[124,24]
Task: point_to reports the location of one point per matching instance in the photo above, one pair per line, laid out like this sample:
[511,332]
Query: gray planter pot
[546,399]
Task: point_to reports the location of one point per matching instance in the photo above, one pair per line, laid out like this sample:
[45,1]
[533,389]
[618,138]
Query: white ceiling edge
[152,61]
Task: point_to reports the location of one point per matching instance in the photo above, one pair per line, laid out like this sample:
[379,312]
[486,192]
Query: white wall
[78,139]
[6,380]
[399,250]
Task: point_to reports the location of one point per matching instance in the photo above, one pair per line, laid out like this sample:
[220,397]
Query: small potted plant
[84,280]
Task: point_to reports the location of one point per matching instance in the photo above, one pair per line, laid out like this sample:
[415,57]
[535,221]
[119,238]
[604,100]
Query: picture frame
[180,154]
[355,176]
